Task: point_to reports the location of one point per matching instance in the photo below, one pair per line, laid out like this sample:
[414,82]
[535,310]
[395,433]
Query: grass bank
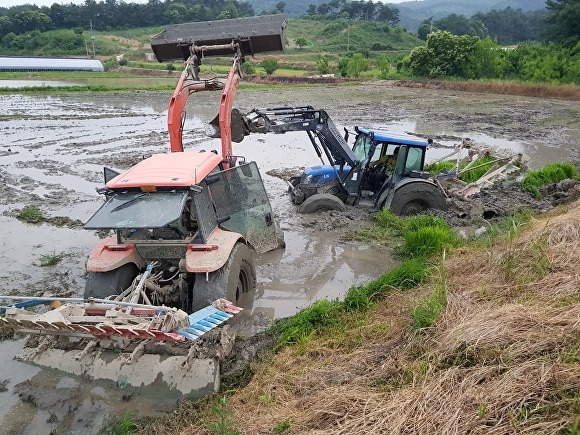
[488,342]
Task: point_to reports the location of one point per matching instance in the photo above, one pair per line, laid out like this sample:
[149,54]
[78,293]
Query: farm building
[10,63]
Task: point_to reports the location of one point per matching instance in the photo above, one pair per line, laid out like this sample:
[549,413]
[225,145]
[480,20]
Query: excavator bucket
[237,127]
[254,35]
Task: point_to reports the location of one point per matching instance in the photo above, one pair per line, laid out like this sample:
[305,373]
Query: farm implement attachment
[135,344]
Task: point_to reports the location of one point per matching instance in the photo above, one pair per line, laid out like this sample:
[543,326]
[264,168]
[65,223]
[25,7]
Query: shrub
[270,65]
[249,67]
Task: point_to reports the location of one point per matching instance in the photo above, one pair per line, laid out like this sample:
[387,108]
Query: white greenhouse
[15,63]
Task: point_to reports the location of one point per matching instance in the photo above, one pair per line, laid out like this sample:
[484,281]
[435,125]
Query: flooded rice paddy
[53,149]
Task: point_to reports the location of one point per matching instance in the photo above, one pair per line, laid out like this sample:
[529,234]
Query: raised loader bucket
[254,34]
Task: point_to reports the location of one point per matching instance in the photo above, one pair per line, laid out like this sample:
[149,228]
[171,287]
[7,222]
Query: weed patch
[223,425]
[47,260]
[30,214]
[549,174]
[124,425]
[299,328]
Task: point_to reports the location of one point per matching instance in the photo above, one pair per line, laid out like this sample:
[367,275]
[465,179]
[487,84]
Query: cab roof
[181,169]
[395,138]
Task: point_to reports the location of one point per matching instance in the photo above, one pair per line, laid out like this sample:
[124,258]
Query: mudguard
[108,255]
[212,255]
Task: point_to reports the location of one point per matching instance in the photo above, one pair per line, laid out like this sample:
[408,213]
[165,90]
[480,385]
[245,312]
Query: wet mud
[54,147]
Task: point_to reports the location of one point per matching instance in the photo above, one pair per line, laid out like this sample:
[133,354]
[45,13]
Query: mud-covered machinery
[350,176]
[183,228]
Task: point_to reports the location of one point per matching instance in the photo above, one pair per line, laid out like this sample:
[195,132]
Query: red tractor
[194,217]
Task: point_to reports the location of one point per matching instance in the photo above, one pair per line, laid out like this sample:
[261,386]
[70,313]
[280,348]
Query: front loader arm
[315,122]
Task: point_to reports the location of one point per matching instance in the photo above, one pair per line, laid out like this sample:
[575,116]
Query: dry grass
[502,358]
[541,90]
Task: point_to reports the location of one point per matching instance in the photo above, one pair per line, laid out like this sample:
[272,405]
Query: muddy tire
[321,202]
[415,198]
[102,284]
[333,188]
[235,281]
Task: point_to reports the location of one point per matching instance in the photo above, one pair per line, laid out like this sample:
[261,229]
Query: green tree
[280,6]
[301,42]
[563,23]
[446,55]
[384,67]
[249,67]
[5,25]
[425,28]
[356,65]
[270,65]
[30,20]
[322,65]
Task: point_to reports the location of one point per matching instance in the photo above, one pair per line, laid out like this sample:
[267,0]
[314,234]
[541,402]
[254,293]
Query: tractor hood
[322,173]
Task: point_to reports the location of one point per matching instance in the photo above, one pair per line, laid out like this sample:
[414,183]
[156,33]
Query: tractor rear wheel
[321,202]
[414,198]
[235,281]
[102,284]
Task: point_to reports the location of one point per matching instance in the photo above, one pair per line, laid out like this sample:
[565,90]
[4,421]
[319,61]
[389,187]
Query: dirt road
[52,154]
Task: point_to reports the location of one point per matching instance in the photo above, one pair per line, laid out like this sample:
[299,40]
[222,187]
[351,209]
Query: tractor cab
[386,159]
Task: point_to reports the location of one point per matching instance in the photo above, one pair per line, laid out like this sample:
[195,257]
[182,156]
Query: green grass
[551,173]
[30,214]
[343,36]
[424,236]
[124,425]
[50,259]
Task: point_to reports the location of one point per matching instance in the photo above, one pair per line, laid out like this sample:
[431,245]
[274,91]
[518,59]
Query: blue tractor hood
[322,173]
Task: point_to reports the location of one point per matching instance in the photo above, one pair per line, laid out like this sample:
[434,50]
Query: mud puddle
[52,154]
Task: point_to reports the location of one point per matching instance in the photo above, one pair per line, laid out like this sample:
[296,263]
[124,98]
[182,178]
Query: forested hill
[410,13]
[425,8]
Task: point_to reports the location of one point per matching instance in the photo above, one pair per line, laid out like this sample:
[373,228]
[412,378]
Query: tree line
[116,14]
[355,10]
[508,26]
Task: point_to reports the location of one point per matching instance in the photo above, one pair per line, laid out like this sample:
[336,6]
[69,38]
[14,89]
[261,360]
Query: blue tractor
[382,170]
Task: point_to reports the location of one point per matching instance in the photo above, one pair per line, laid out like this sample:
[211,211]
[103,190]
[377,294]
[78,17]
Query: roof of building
[49,63]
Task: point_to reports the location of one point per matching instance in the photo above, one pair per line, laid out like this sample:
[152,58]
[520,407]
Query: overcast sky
[7,3]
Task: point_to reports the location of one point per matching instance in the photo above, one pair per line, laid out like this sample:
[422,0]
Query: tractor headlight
[308,179]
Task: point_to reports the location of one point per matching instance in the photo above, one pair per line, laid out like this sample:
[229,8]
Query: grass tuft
[50,260]
[549,174]
[124,425]
[30,214]
[299,328]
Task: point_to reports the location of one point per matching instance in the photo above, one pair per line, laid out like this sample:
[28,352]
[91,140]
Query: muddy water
[53,149]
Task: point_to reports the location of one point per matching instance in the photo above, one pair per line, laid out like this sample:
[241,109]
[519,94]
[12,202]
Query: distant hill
[413,12]
[293,8]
